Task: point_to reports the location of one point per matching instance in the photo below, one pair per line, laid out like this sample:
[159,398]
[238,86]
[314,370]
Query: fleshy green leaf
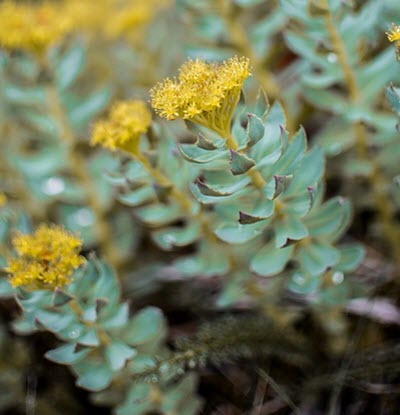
[270,260]
[315,257]
[66,355]
[61,297]
[70,65]
[289,227]
[281,183]
[326,218]
[117,353]
[90,338]
[350,257]
[93,376]
[238,233]
[255,129]
[205,144]
[146,326]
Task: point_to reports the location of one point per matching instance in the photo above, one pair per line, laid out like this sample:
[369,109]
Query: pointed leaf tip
[240,163]
[246,219]
[282,182]
[204,143]
[255,129]
[61,297]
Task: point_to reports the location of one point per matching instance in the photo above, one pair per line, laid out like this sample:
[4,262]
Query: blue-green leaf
[70,65]
[315,257]
[148,325]
[117,353]
[270,260]
[66,355]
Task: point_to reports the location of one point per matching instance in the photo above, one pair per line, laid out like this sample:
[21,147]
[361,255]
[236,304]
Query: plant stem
[375,177]
[78,163]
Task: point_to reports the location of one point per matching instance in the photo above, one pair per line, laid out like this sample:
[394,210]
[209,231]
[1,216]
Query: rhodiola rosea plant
[201,228]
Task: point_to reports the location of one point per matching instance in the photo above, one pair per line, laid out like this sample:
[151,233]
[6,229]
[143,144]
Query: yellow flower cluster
[31,27]
[206,93]
[36,26]
[129,20]
[126,122]
[394,34]
[46,259]
[113,18]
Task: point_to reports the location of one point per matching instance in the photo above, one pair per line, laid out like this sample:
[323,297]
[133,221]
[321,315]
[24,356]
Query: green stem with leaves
[375,177]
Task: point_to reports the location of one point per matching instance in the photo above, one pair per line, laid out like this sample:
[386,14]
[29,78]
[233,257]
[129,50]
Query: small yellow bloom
[45,259]
[126,122]
[31,27]
[113,18]
[128,20]
[3,199]
[205,93]
[394,34]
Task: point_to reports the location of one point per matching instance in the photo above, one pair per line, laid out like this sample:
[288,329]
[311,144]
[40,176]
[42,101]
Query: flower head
[113,18]
[126,122]
[394,34]
[128,20]
[206,93]
[31,27]
[45,259]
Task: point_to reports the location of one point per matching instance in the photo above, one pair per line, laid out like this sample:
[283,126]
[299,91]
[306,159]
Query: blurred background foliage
[216,326]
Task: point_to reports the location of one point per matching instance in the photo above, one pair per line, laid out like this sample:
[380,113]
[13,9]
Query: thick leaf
[205,144]
[194,154]
[138,196]
[53,322]
[89,338]
[93,376]
[289,227]
[148,325]
[117,353]
[309,172]
[262,104]
[70,65]
[170,238]
[66,355]
[263,211]
[281,183]
[326,218]
[159,214]
[270,260]
[61,297]
[238,233]
[303,283]
[91,106]
[291,157]
[240,163]
[255,129]
[24,96]
[205,199]
[393,95]
[315,257]
[350,257]
[6,290]
[118,319]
